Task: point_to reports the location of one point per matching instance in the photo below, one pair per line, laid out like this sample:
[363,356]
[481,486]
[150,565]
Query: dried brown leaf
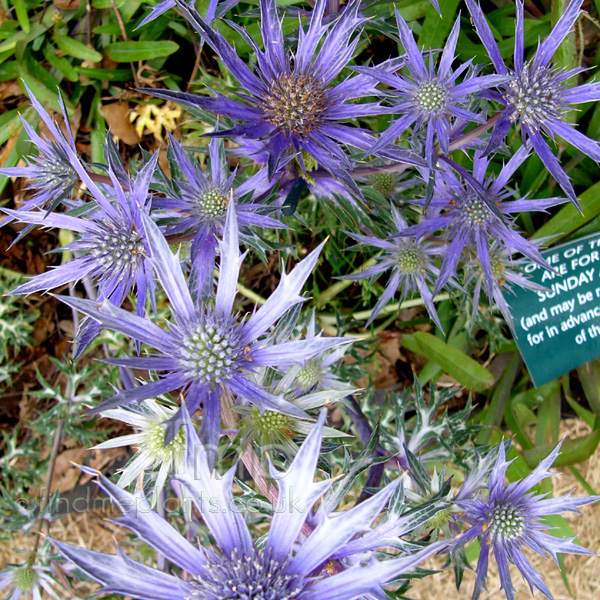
[117,117]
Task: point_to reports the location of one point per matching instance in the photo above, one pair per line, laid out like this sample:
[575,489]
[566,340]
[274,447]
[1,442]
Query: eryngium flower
[28,581]
[111,248]
[429,98]
[473,210]
[510,519]
[284,567]
[411,261]
[54,173]
[200,204]
[317,374]
[153,456]
[208,350]
[292,108]
[537,95]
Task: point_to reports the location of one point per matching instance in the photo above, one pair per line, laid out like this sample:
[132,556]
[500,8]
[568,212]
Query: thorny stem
[100,178]
[43,524]
[475,132]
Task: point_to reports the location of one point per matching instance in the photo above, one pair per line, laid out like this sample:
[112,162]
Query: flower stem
[339,286]
[43,524]
[364,315]
[244,291]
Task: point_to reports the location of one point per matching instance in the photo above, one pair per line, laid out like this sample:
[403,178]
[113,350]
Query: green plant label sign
[558,328]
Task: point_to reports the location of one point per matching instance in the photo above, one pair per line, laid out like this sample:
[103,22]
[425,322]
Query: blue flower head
[509,519]
[473,209]
[508,271]
[411,261]
[291,103]
[208,350]
[536,95]
[54,173]
[111,247]
[198,203]
[430,97]
[301,558]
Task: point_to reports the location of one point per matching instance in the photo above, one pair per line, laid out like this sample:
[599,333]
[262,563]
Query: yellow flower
[153,118]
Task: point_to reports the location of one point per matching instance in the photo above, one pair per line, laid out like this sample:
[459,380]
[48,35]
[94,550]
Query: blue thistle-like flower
[111,248]
[537,95]
[199,204]
[28,581]
[207,350]
[283,568]
[431,98]
[411,261]
[510,519]
[294,110]
[317,375]
[55,172]
[472,209]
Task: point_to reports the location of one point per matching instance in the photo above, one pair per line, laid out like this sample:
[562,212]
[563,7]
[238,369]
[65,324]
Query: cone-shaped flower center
[497,267]
[431,97]
[212,204]
[310,375]
[115,248]
[271,422]
[507,522]
[534,96]
[409,260]
[25,578]
[474,210]
[209,350]
[154,443]
[295,103]
[254,577]
[384,183]
[54,171]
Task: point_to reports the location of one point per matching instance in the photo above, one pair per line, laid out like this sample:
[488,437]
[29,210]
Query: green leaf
[455,363]
[60,63]
[573,451]
[583,413]
[10,123]
[46,96]
[19,149]
[107,29]
[9,70]
[435,28]
[105,74]
[107,4]
[568,219]
[133,51]
[517,418]
[22,16]
[76,49]
[589,376]
[500,397]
